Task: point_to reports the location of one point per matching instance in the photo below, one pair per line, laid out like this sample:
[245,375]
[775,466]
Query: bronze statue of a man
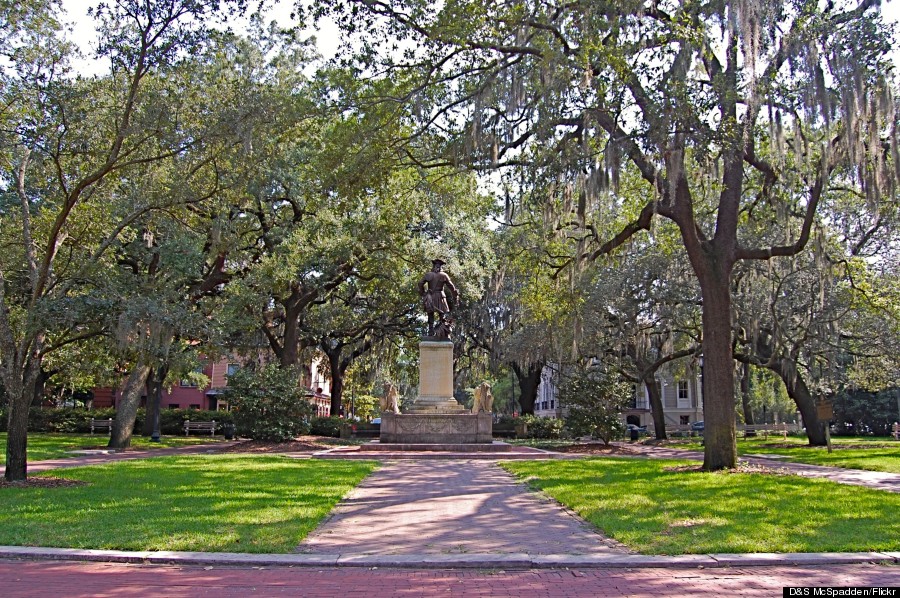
[434,299]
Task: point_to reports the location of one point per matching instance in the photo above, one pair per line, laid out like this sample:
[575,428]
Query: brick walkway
[39,579]
[451,507]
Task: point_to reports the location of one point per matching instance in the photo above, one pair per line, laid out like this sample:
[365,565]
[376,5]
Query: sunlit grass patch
[654,511]
[873,454]
[43,446]
[203,503]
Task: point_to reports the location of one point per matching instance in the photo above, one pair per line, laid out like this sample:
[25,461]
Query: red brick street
[43,578]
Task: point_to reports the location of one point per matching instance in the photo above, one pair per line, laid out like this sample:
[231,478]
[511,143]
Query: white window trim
[683,403]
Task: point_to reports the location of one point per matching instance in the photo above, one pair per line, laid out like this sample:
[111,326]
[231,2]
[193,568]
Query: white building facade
[682,398]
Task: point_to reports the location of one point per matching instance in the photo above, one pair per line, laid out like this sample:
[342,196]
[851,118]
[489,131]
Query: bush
[595,397]
[68,420]
[267,403]
[326,426]
[542,427]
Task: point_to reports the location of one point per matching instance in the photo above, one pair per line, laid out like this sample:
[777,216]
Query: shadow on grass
[205,503]
[659,512]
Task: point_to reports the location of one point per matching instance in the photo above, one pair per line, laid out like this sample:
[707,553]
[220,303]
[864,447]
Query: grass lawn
[654,511]
[43,446]
[873,454]
[212,503]
[547,444]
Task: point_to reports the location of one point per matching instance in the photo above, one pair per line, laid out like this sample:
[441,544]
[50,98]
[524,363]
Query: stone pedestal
[436,379]
[435,417]
[437,428]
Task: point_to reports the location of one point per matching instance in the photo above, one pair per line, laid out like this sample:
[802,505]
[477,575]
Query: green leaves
[268,404]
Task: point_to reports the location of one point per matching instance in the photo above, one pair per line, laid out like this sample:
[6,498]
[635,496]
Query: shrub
[68,420]
[542,427]
[267,403]
[326,426]
[595,397]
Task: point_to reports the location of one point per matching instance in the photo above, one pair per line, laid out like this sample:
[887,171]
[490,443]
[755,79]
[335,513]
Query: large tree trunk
[290,348]
[529,380]
[337,379]
[20,381]
[126,413]
[720,446]
[656,407]
[154,398]
[806,403]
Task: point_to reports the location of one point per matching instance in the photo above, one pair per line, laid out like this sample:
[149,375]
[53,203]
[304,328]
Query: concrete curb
[447,561]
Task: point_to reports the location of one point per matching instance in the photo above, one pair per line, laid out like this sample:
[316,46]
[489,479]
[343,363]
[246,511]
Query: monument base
[437,428]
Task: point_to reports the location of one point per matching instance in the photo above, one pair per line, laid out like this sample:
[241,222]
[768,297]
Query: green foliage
[268,404]
[595,398]
[861,412]
[541,427]
[327,426]
[66,420]
[204,503]
[363,406]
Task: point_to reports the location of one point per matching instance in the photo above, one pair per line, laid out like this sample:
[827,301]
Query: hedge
[68,420]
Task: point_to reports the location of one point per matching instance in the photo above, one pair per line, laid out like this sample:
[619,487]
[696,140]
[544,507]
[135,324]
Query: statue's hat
[438,262]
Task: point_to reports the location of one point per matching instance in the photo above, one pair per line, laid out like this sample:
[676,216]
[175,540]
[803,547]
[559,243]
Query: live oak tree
[63,138]
[732,112]
[640,315]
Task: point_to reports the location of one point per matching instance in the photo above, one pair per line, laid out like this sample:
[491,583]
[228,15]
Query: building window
[189,383]
[684,399]
[551,403]
[685,420]
[195,407]
[232,369]
[173,406]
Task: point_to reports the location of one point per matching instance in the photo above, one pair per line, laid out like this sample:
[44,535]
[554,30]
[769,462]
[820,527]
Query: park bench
[190,426]
[102,424]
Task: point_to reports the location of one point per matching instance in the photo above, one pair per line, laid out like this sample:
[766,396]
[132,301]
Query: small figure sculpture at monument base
[484,400]
[390,402]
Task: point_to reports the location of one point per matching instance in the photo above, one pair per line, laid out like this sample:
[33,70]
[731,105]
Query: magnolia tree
[735,115]
[595,397]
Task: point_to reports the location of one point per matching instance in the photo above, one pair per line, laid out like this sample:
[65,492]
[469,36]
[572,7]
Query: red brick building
[186,395]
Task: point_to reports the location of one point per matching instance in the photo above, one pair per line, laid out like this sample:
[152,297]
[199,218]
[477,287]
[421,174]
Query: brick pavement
[451,507]
[25,579]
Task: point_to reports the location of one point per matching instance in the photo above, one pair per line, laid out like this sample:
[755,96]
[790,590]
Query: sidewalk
[458,507]
[877,480]
[99,580]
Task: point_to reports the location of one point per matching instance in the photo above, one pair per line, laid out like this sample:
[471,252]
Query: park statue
[432,289]
[484,400]
[390,402]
